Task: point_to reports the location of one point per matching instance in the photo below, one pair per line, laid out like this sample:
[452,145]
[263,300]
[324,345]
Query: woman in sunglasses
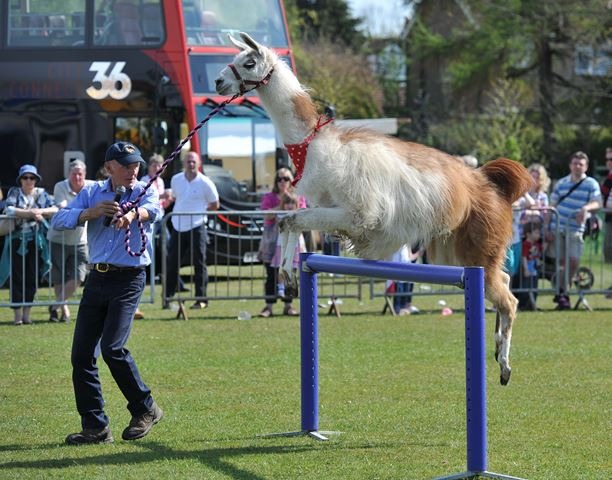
[29,254]
[267,247]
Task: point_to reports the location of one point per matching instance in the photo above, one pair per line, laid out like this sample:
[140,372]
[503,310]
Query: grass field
[394,387]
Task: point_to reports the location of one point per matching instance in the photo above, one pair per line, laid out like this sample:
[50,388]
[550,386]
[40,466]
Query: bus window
[207,22]
[137,130]
[128,23]
[245,146]
[41,23]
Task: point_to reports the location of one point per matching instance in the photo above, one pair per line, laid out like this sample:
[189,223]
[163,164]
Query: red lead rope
[133,205]
[298,151]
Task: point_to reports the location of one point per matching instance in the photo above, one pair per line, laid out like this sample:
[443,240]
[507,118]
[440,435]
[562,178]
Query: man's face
[192,162]
[76,178]
[578,166]
[120,175]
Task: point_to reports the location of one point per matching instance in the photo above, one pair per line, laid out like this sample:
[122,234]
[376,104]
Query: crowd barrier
[594,277]
[47,290]
[235,272]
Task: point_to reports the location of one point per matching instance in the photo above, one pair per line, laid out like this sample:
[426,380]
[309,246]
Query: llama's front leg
[289,242]
[291,226]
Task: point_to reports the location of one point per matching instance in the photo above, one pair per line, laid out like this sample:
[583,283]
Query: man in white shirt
[193,193]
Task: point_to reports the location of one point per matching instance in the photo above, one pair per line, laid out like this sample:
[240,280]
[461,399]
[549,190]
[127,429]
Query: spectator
[531,211]
[530,265]
[513,253]
[193,193]
[538,194]
[111,295]
[574,196]
[606,192]
[69,255]
[288,201]
[29,205]
[155,163]
[402,300]
[267,245]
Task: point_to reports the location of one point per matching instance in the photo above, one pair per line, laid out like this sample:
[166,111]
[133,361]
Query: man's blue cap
[125,153]
[28,169]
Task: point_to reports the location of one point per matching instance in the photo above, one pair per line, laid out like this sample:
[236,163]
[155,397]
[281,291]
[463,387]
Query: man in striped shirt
[574,197]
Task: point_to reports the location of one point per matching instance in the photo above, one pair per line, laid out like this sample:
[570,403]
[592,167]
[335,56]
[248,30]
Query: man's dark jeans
[103,326]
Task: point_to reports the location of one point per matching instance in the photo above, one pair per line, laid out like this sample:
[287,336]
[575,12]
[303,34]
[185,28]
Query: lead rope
[133,205]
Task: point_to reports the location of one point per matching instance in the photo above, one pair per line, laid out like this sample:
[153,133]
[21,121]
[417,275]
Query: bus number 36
[116,84]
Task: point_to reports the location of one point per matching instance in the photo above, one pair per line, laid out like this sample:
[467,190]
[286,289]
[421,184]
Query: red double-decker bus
[76,75]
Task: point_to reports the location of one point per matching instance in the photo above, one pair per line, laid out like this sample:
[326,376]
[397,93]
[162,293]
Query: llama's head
[251,68]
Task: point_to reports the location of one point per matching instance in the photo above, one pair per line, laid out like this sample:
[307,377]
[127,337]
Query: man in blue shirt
[111,294]
[574,197]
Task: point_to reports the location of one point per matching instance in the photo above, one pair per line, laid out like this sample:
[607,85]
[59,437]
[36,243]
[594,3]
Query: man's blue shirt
[106,244]
[587,191]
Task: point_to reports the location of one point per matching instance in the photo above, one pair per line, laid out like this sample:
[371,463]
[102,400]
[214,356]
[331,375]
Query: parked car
[234,239]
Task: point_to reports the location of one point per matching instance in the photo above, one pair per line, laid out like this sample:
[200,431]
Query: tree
[330,19]
[340,78]
[325,46]
[529,41]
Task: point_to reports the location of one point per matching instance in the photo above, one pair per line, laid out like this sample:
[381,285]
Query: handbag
[7,225]
[592,227]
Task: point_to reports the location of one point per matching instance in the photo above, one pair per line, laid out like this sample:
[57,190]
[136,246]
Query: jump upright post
[471,279]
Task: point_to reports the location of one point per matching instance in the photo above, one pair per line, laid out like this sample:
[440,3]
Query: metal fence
[235,273]
[593,277]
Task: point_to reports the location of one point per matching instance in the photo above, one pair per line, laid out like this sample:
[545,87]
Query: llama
[380,192]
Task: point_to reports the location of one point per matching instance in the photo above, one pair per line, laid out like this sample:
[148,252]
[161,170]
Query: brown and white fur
[380,192]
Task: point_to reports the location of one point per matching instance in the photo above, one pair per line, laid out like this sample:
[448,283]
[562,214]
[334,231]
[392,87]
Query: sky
[384,17]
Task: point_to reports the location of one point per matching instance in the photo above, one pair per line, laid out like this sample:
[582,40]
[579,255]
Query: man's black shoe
[89,436]
[141,425]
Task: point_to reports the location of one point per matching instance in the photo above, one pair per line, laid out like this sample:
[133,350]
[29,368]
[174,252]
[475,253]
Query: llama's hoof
[285,223]
[291,284]
[504,377]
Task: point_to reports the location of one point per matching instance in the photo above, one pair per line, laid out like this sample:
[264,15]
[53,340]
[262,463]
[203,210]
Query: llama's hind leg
[498,292]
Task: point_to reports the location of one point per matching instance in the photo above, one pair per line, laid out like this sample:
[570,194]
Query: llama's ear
[237,43]
[250,42]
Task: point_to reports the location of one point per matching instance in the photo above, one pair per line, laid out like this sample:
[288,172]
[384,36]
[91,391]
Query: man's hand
[107,208]
[581,215]
[124,221]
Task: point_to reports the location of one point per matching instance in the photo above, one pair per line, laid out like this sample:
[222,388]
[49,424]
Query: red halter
[254,83]
[298,151]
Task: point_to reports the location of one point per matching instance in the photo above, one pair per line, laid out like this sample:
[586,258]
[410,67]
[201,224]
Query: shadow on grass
[215,458]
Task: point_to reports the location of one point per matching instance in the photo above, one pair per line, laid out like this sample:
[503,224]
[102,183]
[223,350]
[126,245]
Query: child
[530,262]
[288,201]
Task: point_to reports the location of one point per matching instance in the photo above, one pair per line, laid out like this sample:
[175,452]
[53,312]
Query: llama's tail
[511,178]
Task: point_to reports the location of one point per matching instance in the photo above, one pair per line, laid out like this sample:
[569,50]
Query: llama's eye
[249,64]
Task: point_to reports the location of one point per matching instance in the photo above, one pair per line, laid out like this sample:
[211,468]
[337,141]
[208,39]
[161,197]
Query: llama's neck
[279,99]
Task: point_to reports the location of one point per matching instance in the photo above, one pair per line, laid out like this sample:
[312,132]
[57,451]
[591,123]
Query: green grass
[394,387]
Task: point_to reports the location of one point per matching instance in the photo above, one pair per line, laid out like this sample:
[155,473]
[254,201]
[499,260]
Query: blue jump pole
[309,347]
[475,370]
[470,278]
